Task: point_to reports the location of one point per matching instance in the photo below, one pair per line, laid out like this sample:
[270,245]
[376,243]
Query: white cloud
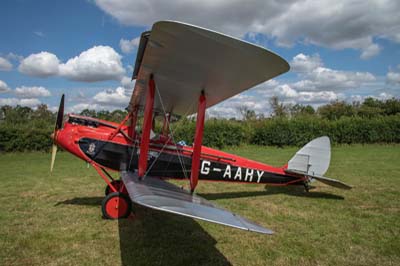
[326,78]
[109,99]
[305,63]
[314,85]
[15,57]
[128,46]
[393,77]
[23,102]
[32,92]
[29,102]
[340,24]
[39,34]
[286,91]
[4,87]
[128,83]
[118,97]
[9,101]
[98,63]
[223,111]
[361,98]
[95,64]
[315,77]
[43,64]
[77,108]
[370,51]
[5,65]
[318,97]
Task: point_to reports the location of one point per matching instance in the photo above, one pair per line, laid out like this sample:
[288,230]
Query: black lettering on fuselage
[241,174]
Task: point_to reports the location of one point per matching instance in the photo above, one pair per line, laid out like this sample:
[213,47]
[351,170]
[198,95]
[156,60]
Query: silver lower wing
[158,194]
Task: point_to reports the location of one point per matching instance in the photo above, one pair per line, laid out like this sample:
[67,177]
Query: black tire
[115,183]
[116,205]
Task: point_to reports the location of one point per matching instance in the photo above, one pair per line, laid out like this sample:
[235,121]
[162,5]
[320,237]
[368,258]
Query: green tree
[247,114]
[299,109]
[336,110]
[89,113]
[278,108]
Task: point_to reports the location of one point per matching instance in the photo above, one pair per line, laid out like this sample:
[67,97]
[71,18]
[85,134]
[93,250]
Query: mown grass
[56,219]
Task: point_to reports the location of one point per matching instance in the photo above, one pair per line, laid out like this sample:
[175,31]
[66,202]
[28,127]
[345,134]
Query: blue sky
[343,51]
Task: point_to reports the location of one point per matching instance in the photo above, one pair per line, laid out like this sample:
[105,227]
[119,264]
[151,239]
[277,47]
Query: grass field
[56,219]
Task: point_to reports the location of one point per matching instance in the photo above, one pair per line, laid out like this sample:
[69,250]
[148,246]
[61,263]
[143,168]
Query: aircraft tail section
[313,161]
[314,158]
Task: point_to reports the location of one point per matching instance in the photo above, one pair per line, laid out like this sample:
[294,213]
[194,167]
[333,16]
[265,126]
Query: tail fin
[313,160]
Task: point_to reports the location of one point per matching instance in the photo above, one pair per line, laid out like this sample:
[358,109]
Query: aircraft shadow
[297,191]
[89,201]
[150,237]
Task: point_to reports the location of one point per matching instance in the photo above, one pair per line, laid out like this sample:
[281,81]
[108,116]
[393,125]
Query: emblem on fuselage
[92,148]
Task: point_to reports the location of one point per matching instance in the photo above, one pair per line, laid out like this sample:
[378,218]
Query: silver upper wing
[158,194]
[186,59]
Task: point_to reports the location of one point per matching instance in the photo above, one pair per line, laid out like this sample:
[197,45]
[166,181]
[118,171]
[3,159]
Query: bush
[24,139]
[346,130]
[33,133]
[217,133]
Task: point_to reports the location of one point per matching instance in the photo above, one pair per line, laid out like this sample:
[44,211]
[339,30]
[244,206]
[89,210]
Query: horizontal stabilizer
[158,194]
[325,180]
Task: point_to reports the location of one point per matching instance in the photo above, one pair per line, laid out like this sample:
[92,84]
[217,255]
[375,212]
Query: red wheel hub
[116,207]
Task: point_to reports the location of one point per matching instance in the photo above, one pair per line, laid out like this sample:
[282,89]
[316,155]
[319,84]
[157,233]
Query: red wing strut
[198,138]
[158,194]
[147,121]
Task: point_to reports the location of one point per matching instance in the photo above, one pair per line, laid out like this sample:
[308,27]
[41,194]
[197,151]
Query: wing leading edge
[155,193]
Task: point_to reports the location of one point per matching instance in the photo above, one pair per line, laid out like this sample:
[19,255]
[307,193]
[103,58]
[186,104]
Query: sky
[338,50]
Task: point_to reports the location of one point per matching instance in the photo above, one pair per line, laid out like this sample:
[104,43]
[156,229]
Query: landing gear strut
[117,184]
[307,186]
[116,204]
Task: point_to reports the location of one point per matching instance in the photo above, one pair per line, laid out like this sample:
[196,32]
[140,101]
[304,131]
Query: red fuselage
[90,140]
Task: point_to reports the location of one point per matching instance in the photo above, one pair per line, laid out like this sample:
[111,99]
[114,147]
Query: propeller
[58,126]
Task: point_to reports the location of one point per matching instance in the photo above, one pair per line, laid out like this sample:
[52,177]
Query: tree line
[370,121]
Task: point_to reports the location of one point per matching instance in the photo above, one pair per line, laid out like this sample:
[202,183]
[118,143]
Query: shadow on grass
[91,201]
[157,238]
[297,191]
[150,237]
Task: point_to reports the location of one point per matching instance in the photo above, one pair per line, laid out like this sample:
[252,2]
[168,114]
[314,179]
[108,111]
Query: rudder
[313,159]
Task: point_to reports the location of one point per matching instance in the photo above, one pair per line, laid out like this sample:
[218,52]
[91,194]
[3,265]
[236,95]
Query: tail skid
[313,161]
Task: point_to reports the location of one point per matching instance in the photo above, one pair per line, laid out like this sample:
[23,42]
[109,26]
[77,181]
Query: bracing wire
[169,138]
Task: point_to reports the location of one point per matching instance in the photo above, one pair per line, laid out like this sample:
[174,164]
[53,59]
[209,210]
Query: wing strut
[167,120]
[132,126]
[147,123]
[198,139]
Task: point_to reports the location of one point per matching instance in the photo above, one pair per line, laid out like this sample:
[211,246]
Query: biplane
[181,70]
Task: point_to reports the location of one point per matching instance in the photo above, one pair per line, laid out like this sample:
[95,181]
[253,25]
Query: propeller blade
[58,126]
[53,156]
[60,114]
